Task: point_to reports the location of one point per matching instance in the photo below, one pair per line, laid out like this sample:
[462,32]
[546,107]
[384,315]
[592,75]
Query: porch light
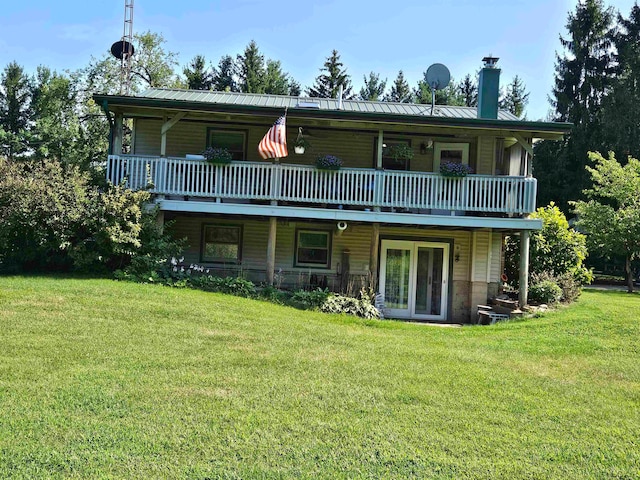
[425,145]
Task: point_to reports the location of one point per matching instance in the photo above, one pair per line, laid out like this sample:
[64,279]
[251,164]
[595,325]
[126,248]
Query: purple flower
[452,169]
[328,162]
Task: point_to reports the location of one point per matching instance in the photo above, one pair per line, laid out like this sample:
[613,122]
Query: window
[232,140]
[313,249]
[450,152]
[221,243]
[388,162]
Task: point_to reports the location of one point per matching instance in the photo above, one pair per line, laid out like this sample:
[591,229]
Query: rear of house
[430,244]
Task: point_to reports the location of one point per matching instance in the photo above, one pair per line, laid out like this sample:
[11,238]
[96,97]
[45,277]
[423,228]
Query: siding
[486,153]
[356,148]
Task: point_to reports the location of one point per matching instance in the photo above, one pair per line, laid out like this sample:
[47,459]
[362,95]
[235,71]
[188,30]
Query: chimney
[340,94]
[489,88]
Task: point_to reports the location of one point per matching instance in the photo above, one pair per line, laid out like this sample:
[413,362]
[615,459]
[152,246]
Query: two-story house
[431,244]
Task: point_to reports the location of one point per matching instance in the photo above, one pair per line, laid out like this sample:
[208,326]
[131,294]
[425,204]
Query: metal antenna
[127,53]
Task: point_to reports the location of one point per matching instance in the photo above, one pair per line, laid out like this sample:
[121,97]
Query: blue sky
[380,36]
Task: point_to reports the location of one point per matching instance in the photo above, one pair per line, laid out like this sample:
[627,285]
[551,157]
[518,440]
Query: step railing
[308,185]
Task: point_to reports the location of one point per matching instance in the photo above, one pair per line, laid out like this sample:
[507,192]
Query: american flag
[274,143]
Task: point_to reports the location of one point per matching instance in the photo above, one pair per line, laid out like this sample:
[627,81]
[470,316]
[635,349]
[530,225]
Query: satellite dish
[438,76]
[121,48]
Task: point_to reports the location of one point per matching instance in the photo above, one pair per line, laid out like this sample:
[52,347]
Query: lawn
[117,380]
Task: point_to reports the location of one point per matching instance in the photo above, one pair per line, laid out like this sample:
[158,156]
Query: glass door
[413,279]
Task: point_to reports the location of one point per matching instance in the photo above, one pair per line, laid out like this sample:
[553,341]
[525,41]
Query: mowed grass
[100,379]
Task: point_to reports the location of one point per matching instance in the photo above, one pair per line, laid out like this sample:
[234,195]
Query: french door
[414,279]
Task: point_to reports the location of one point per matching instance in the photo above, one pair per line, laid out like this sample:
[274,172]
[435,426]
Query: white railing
[306,184]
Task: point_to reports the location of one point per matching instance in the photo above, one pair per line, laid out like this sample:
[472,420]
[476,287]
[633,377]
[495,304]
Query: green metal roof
[326,108]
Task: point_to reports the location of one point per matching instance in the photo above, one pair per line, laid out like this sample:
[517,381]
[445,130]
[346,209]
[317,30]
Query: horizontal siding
[480,257]
[485,153]
[496,257]
[355,148]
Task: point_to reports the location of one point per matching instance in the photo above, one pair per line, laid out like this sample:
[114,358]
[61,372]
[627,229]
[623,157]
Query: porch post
[271,250]
[160,220]
[524,268]
[117,138]
[377,183]
[374,254]
[163,138]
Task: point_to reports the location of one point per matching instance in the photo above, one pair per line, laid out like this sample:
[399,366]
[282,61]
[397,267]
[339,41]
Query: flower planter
[299,150]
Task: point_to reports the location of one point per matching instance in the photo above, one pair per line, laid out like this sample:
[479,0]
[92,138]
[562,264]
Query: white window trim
[439,147]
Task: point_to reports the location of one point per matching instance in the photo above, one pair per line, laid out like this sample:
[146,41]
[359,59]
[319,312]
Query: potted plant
[454,170]
[399,151]
[300,145]
[328,162]
[217,156]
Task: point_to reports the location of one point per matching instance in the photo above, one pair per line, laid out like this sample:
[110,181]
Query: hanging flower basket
[217,156]
[301,143]
[328,162]
[454,170]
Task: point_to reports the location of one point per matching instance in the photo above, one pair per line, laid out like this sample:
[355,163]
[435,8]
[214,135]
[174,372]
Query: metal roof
[317,104]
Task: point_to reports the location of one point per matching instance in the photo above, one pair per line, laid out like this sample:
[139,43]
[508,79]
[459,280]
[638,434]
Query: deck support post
[117,137]
[524,268]
[374,255]
[160,221]
[271,250]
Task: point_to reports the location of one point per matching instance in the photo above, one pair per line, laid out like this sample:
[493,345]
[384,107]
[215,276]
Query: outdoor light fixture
[426,144]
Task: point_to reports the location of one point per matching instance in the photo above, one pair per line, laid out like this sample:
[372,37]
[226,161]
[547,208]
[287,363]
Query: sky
[383,37]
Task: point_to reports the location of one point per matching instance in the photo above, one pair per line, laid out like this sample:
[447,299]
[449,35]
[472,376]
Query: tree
[611,215]
[15,115]
[556,251]
[449,95]
[56,127]
[468,88]
[198,76]
[251,69]
[277,82]
[400,90]
[224,75]
[583,76]
[373,88]
[152,64]
[621,106]
[516,97]
[328,84]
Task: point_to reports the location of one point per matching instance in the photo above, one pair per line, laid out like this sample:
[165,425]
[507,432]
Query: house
[430,244]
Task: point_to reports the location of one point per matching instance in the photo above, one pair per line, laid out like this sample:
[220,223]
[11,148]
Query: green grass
[100,379]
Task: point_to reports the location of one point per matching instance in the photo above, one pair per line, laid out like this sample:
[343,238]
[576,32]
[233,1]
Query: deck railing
[305,184]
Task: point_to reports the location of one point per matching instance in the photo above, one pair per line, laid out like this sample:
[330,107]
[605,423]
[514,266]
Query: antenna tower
[127,48]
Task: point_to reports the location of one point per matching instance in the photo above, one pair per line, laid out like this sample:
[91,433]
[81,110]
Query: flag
[274,143]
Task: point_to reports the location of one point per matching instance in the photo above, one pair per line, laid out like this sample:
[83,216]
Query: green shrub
[274,295]
[545,291]
[309,300]
[229,285]
[360,307]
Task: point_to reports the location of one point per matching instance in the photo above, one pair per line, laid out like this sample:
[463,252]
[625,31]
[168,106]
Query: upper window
[389,162]
[232,140]
[221,243]
[313,249]
[450,152]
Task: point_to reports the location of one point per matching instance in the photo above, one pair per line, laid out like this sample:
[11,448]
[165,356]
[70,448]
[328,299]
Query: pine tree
[621,107]
[15,114]
[198,76]
[449,95]
[516,97]
[251,69]
[327,84]
[583,75]
[223,78]
[468,88]
[373,88]
[400,90]
[278,82]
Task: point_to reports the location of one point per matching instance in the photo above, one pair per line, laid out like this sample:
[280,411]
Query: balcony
[305,186]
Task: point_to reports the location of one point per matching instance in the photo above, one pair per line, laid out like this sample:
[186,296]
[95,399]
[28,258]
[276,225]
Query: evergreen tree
[251,69]
[621,107]
[198,76]
[295,88]
[516,97]
[400,90]
[468,88]
[583,75]
[278,82]
[224,75]
[373,88]
[328,83]
[449,95]
[15,114]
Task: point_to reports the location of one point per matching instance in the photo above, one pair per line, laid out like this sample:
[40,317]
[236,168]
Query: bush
[229,285]
[545,290]
[309,300]
[360,307]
